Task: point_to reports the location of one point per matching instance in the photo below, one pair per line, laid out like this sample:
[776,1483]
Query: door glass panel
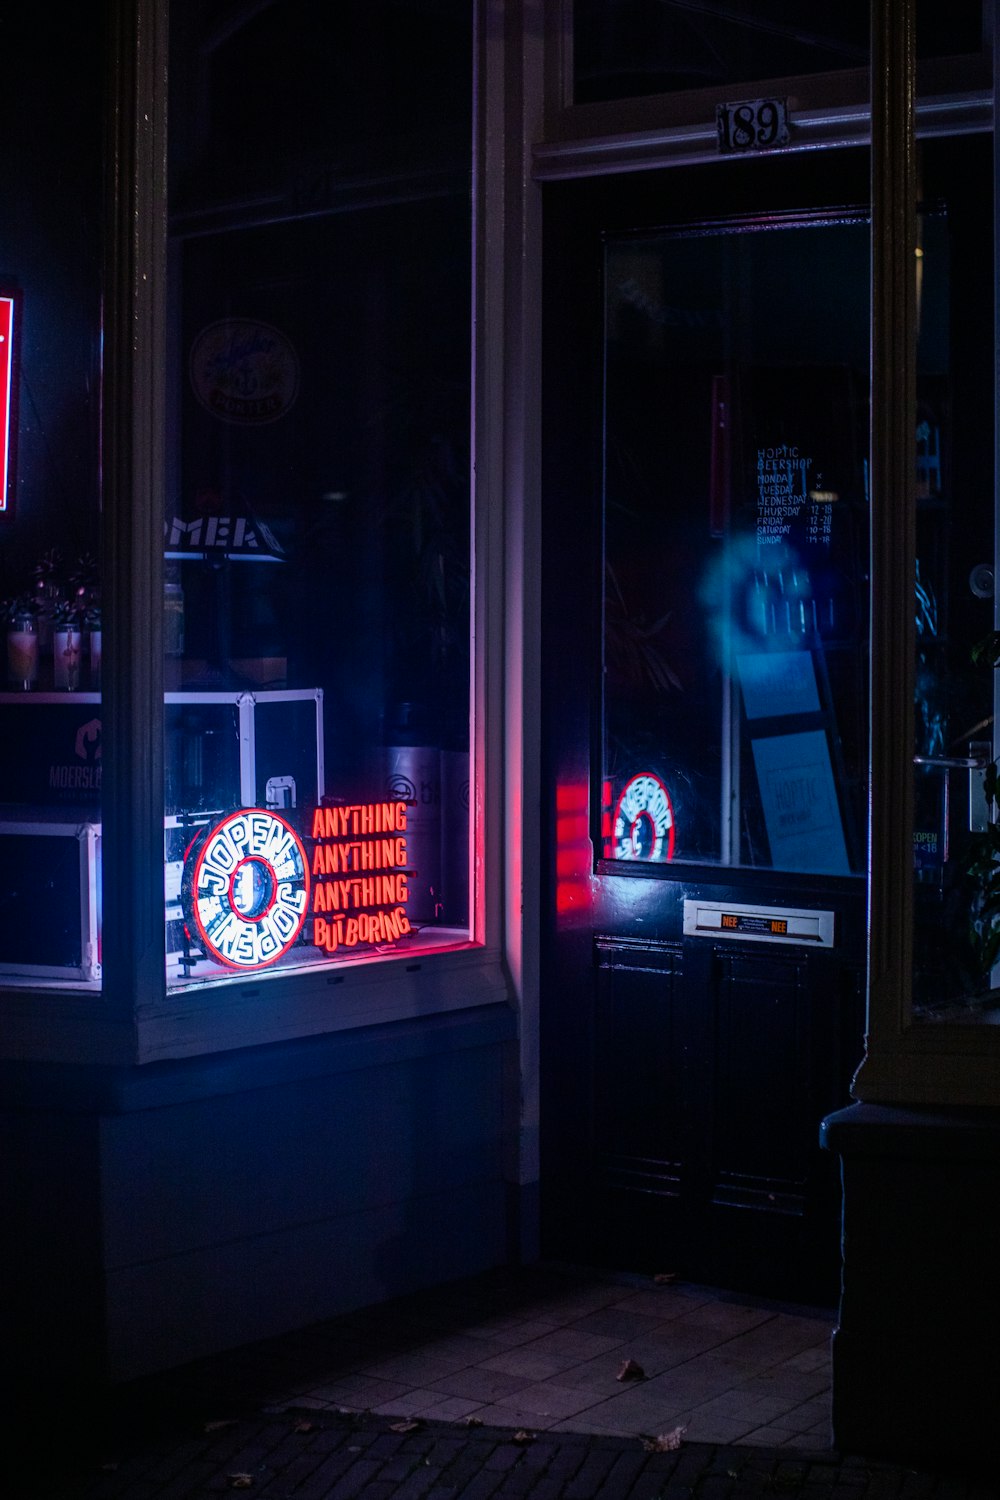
[955,831]
[735,527]
[626,48]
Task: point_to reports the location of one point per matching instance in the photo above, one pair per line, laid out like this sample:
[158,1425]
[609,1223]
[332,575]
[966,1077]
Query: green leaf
[987,651]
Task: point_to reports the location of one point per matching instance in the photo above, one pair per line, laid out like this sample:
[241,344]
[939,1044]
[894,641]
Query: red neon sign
[8,393]
[360,875]
[246,888]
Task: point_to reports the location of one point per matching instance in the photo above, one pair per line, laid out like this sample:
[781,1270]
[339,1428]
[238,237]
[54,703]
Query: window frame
[906,1061]
[135,1017]
[826,110]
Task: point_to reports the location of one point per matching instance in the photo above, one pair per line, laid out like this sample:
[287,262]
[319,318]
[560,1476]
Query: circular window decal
[245,889]
[244,371]
[643,825]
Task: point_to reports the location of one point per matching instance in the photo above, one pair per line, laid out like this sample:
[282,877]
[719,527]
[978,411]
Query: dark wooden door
[705,710]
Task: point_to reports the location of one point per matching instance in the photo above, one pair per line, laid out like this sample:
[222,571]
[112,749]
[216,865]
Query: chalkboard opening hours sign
[752,125]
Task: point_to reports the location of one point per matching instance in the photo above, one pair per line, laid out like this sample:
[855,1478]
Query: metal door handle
[953,763]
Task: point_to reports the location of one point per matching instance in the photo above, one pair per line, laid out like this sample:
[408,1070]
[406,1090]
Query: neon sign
[246,888]
[8,394]
[361,877]
[643,823]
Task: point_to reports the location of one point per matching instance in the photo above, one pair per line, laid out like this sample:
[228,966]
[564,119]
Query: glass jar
[22,651]
[66,649]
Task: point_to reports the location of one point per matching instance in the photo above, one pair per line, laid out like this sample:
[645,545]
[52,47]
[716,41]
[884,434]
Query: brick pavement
[295,1453]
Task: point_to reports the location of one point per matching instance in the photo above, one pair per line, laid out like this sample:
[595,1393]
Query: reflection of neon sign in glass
[7,393]
[246,888]
[643,825]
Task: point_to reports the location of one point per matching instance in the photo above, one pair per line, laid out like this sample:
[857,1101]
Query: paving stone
[726,1318]
[419,1483]
[514,1418]
[414,1368]
[510,1330]
[410,1404]
[360,1391]
[714,1430]
[547,1399]
[665,1302]
[589,1478]
[484,1385]
[446,1408]
[794,1387]
[461,1349]
[616,1323]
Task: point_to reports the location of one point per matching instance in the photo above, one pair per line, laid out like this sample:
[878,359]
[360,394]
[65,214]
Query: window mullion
[893,404]
[133,499]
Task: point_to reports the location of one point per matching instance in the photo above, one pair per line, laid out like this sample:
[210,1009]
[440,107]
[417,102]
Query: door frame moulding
[556,160]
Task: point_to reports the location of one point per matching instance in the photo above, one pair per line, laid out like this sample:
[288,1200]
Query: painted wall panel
[214,1170]
[165,1312]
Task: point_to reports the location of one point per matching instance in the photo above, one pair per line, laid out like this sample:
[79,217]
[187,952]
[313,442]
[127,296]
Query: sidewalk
[325,1456]
[549,1383]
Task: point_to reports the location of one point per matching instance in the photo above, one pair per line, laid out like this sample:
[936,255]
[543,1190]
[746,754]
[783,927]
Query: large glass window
[50,600]
[956,841]
[317,541]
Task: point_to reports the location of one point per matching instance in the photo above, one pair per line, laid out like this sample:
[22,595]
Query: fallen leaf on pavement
[523,1437]
[667,1442]
[631,1371]
[240,1481]
[473,1421]
[410,1426]
[665,1278]
[304,1426]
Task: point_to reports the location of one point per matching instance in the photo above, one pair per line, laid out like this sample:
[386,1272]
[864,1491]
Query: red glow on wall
[573,853]
[607,820]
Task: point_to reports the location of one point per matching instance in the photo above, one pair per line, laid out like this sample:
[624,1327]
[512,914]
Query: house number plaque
[752,125]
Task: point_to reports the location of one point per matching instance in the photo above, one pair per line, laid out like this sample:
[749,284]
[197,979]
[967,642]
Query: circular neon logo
[246,888]
[644,820]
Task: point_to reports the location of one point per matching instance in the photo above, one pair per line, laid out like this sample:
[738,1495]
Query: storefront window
[50,594]
[317,540]
[956,836]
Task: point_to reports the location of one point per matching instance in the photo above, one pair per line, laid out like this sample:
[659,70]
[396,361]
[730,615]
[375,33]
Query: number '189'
[752,124]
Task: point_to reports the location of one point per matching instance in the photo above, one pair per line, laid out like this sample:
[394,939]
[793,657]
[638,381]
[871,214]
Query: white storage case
[50,913]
